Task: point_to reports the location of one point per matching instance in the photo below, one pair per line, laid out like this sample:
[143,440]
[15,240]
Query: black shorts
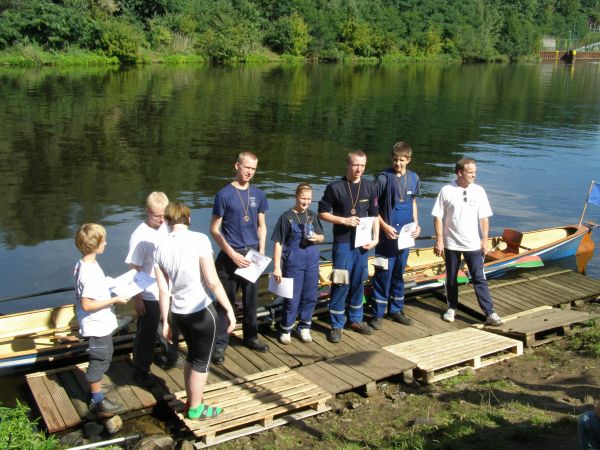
[100,350]
[199,331]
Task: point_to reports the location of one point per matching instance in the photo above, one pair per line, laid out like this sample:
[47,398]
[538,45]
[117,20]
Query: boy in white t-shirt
[96,318]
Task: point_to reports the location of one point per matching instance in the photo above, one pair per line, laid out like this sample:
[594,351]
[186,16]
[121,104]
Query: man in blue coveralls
[238,225]
[344,202]
[397,190]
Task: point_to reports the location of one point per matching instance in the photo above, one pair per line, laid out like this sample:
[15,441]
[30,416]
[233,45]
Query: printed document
[364,231]
[258,264]
[284,289]
[405,239]
[130,283]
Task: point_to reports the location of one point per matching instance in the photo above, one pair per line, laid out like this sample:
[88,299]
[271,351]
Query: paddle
[38,294]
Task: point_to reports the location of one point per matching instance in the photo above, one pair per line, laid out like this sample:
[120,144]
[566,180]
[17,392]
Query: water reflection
[88,145]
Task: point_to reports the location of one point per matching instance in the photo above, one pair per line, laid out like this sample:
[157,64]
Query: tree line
[137,31]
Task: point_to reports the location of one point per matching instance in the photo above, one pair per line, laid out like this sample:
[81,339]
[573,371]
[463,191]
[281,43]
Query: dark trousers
[145,338]
[474,262]
[231,283]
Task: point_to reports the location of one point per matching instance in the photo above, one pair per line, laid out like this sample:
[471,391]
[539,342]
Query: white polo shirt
[460,210]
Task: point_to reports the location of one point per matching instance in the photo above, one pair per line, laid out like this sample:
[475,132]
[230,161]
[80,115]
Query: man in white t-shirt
[460,212]
[142,248]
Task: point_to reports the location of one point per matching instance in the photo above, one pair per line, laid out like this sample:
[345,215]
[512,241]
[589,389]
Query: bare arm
[164,300]
[438,249]
[415,211]
[277,250]
[215,231]
[262,232]
[338,220]
[139,301]
[484,224]
[207,266]
[91,305]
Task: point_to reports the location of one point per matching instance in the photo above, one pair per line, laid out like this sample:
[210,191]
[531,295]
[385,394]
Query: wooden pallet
[254,403]
[445,355]
[61,395]
[542,325]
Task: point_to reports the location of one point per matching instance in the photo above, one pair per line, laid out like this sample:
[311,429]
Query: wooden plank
[144,395]
[121,391]
[322,330]
[303,353]
[63,404]
[324,379]
[240,360]
[165,378]
[347,374]
[45,403]
[263,361]
[78,397]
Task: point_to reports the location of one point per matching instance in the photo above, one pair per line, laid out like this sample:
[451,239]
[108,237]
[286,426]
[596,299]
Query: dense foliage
[17,431]
[239,30]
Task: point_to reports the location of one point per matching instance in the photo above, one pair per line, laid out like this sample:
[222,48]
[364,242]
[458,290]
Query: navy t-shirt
[283,225]
[341,196]
[231,204]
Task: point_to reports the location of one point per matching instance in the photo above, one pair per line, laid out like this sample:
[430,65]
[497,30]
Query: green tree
[290,35]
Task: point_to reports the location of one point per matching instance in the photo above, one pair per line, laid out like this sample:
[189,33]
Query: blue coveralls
[388,284]
[300,262]
[354,260]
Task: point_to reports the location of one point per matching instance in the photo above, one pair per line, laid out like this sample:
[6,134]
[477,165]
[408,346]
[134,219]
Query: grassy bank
[17,431]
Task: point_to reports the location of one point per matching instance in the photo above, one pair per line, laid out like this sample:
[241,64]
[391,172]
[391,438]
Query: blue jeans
[588,429]
[474,262]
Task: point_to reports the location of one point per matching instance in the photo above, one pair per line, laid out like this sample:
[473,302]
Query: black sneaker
[257,346]
[218,356]
[376,323]
[143,379]
[166,363]
[362,328]
[335,335]
[400,317]
[106,408]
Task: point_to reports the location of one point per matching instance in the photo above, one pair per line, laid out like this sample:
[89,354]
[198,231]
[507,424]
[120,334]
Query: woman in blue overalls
[397,188]
[296,256]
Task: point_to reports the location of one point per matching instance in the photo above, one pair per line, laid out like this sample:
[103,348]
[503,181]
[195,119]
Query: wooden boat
[50,335]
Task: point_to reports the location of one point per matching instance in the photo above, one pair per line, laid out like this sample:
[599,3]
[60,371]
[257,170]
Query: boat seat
[512,239]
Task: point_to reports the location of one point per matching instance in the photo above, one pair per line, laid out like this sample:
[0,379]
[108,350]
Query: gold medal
[352,201]
[246,218]
[352,211]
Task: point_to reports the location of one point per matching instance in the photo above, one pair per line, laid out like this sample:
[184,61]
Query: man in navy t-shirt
[238,225]
[345,201]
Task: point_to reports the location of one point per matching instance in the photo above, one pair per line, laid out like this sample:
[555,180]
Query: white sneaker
[449,315]
[285,338]
[305,335]
[494,320]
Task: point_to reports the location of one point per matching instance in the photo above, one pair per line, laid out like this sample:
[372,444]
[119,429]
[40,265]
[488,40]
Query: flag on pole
[594,197]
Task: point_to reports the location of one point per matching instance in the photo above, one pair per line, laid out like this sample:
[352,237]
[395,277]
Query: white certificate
[284,289]
[405,239]
[130,283]
[258,264]
[364,231]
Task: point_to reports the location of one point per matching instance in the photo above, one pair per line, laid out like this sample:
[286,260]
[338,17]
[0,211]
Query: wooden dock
[431,349]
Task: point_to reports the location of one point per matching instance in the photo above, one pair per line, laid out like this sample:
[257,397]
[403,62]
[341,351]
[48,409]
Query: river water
[88,145]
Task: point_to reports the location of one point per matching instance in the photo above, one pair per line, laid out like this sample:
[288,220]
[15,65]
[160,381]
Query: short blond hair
[401,149]
[248,155]
[89,237]
[358,153]
[157,200]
